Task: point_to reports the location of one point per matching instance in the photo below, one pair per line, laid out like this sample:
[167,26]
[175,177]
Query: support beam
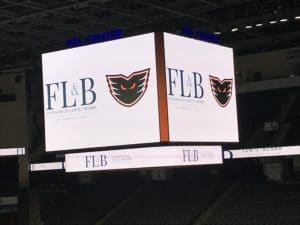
[179,13]
[210,3]
[23,195]
[42,11]
[118,12]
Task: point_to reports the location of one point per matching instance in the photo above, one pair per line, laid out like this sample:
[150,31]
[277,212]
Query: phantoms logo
[128,90]
[221,89]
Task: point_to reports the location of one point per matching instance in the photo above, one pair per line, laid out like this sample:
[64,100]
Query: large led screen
[101,95]
[139,90]
[200,91]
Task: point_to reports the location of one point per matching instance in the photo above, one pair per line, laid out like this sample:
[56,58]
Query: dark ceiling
[31,27]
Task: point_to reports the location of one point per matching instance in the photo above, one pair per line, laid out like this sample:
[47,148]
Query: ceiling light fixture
[273,21]
[284,20]
[234,29]
[248,27]
[259,24]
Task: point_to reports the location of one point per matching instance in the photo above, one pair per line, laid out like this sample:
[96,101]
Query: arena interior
[257,178]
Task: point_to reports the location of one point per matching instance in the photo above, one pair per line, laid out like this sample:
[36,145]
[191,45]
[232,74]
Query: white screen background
[205,121]
[111,123]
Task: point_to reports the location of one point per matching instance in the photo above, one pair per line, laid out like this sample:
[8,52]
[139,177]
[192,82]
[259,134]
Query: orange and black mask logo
[221,89]
[128,90]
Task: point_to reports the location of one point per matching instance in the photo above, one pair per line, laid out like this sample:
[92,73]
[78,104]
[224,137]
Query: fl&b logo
[62,95]
[185,85]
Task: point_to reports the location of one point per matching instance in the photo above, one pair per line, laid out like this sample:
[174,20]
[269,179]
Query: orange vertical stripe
[161,87]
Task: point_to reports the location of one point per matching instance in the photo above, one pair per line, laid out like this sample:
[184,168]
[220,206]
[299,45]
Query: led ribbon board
[262,152]
[46,166]
[162,156]
[12,151]
[139,90]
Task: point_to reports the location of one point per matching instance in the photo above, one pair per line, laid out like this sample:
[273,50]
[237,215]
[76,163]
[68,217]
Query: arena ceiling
[31,27]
